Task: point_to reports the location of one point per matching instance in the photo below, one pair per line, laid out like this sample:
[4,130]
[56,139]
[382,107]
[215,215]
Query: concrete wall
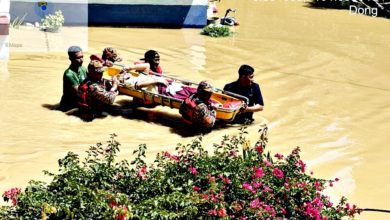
[161,13]
[4,29]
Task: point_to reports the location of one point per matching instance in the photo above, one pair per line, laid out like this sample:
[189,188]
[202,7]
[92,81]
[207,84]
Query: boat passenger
[152,57]
[197,109]
[245,86]
[158,85]
[96,94]
[72,78]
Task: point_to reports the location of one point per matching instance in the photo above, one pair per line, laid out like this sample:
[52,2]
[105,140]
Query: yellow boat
[227,104]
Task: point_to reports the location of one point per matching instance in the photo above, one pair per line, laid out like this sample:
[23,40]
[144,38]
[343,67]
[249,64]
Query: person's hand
[109,63]
[215,107]
[243,108]
[161,80]
[115,83]
[129,68]
[213,113]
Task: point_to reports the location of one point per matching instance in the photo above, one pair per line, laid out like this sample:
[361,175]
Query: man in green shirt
[73,76]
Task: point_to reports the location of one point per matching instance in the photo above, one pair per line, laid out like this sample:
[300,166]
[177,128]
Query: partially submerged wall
[167,13]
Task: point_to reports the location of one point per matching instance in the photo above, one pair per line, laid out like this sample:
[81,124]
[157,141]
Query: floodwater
[324,75]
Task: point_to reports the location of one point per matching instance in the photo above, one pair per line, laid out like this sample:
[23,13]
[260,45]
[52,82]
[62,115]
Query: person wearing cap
[245,86]
[197,109]
[153,58]
[110,56]
[72,78]
[95,92]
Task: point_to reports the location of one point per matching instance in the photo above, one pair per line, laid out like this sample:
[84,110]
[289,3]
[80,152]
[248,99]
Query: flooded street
[324,75]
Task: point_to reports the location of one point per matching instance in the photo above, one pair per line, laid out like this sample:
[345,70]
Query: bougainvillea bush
[235,181]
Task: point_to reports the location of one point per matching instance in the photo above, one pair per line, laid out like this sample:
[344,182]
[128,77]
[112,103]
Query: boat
[226,104]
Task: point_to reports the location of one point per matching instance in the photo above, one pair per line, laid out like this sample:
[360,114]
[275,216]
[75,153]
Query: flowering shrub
[53,23]
[192,183]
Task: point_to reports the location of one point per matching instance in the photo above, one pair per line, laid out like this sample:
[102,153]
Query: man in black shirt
[246,87]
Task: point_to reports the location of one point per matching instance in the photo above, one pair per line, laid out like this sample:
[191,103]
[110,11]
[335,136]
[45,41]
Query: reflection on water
[323,74]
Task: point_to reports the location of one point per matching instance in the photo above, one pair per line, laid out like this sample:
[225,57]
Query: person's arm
[99,93]
[255,108]
[73,82]
[115,83]
[142,67]
[151,82]
[204,116]
[258,102]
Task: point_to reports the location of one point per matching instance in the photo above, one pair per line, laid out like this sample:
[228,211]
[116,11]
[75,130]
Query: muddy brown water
[324,75]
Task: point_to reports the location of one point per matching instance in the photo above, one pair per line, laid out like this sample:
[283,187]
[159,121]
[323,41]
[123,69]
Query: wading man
[245,86]
[72,78]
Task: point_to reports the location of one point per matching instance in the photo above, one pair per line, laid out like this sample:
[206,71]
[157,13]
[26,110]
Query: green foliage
[53,23]
[187,185]
[216,30]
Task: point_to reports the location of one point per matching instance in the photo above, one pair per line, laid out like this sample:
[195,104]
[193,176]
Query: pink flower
[256,184]
[226,180]
[222,213]
[172,157]
[248,187]
[317,185]
[302,165]
[122,213]
[255,204]
[267,189]
[279,156]
[278,173]
[312,211]
[337,179]
[195,188]
[267,163]
[212,212]
[141,173]
[193,170]
[211,178]
[12,194]
[205,197]
[112,202]
[317,202]
[259,148]
[259,173]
